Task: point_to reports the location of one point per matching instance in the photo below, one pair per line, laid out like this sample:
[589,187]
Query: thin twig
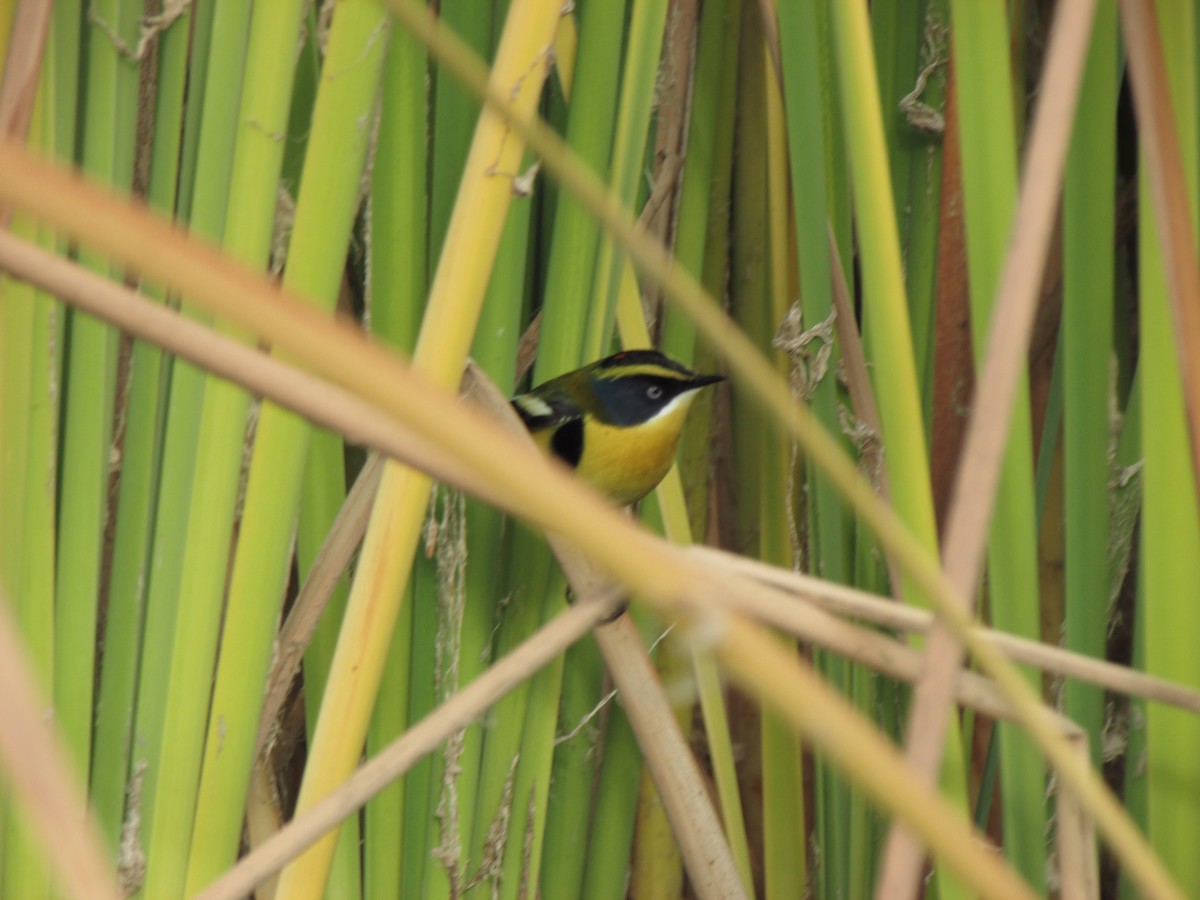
[858,380]
[22,69]
[886,613]
[332,560]
[1075,840]
[671,762]
[1159,140]
[41,777]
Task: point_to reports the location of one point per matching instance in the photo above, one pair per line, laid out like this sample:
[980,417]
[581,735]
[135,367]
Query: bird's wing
[542,410]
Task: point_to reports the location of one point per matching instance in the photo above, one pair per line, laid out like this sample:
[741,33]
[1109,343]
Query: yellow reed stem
[522,62]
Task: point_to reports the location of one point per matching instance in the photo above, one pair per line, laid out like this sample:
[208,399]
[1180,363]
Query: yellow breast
[627,463]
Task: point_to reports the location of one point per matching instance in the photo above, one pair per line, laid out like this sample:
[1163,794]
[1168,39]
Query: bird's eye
[654,392]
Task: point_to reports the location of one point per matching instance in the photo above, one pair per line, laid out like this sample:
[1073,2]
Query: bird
[616,421]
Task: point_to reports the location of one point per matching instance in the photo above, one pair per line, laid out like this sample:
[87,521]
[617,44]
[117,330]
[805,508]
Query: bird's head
[635,386]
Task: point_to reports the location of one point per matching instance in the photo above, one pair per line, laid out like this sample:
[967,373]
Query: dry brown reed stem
[331,561]
[23,66]
[41,778]
[1004,360]
[953,363]
[1158,137]
[681,785]
[263,821]
[778,608]
[1075,839]
[858,381]
[22,69]
[886,613]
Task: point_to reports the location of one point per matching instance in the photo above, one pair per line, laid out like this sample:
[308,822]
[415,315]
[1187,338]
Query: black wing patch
[555,412]
[567,442]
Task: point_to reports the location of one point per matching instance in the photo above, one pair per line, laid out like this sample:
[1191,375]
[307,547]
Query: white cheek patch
[676,402]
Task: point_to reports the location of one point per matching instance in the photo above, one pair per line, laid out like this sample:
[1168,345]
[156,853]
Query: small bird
[617,421]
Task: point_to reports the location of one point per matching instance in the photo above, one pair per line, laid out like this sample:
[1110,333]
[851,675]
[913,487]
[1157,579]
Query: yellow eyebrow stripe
[633,370]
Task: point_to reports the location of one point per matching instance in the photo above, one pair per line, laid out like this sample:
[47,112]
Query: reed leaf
[1170,523]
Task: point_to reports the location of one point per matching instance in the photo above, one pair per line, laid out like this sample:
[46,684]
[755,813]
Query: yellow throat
[625,464]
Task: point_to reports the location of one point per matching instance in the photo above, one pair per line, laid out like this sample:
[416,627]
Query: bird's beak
[703,380]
